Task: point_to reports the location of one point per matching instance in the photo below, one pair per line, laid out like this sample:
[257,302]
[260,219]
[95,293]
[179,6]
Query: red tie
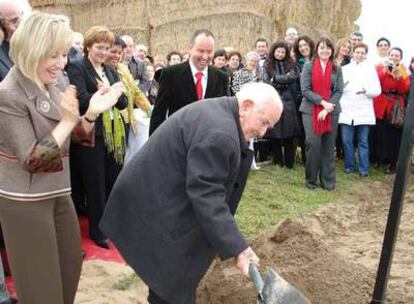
[199,85]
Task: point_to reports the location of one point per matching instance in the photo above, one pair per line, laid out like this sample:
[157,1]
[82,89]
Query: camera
[391,65]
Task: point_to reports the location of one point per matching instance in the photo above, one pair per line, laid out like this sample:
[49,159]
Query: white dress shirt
[203,79]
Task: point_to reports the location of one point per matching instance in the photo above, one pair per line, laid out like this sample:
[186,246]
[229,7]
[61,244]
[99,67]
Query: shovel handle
[256,278]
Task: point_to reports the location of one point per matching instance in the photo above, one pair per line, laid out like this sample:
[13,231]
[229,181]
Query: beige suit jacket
[28,115]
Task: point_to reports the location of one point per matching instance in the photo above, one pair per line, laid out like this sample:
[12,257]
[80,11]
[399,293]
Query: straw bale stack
[166,25]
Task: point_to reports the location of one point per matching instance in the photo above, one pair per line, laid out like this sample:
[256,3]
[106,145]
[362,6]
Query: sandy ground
[330,255]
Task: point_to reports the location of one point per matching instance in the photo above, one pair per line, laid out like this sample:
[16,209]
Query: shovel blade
[278,291]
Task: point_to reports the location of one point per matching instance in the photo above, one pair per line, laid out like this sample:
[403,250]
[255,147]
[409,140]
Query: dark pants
[320,154]
[76,178]
[99,173]
[154,299]
[283,151]
[384,143]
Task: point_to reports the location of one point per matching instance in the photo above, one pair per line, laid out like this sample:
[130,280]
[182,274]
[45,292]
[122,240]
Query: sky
[391,19]
[388,18]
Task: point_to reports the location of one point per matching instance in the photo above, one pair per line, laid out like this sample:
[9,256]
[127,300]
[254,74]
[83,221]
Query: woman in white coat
[361,85]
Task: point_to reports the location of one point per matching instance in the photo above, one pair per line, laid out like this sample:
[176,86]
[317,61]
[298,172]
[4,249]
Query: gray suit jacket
[171,209]
[310,98]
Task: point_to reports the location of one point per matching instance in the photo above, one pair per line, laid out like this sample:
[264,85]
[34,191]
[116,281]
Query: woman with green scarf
[138,112]
[100,165]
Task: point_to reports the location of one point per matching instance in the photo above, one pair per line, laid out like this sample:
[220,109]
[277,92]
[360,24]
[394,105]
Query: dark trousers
[154,299]
[384,143]
[320,153]
[99,173]
[44,249]
[76,178]
[283,151]
[338,143]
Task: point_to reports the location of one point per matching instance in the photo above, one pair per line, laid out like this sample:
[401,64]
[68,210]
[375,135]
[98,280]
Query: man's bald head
[129,49]
[260,107]
[12,12]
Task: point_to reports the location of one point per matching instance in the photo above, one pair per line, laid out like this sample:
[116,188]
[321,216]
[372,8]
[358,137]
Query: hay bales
[166,25]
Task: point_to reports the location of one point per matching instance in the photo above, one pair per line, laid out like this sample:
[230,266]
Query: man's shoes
[102,243]
[310,186]
[363,174]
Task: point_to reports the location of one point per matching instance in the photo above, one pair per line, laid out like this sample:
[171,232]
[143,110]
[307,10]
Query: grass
[126,282]
[273,194]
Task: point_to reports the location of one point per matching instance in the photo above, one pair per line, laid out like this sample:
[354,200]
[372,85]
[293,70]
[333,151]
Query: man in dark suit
[190,81]
[170,222]
[12,14]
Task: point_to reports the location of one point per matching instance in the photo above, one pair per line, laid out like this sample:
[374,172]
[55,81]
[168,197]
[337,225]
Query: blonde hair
[341,42]
[35,38]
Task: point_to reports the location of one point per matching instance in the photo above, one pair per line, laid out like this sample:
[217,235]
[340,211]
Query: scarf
[114,133]
[135,96]
[321,85]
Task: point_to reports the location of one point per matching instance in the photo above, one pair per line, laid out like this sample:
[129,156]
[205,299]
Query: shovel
[275,290]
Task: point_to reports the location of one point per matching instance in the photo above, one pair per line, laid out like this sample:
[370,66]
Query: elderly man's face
[255,120]
[252,63]
[13,14]
[128,50]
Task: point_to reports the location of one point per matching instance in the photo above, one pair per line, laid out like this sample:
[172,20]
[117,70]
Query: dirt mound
[331,256]
[292,250]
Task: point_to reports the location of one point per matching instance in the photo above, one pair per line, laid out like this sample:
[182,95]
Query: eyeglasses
[102,48]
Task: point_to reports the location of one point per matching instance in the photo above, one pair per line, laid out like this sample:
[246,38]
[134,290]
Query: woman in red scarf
[322,86]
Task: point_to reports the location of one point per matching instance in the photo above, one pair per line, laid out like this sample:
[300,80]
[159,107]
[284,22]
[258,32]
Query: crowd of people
[70,107]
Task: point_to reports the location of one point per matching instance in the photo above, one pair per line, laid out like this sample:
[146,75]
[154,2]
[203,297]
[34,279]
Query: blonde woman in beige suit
[39,222]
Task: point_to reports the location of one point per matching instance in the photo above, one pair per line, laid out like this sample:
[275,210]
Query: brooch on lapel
[45,106]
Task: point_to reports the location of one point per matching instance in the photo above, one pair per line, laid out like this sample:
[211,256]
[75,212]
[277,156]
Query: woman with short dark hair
[362,85]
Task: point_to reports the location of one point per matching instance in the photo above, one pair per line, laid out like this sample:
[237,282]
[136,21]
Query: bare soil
[331,255]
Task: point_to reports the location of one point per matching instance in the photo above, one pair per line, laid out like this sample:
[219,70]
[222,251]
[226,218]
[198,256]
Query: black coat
[177,89]
[83,75]
[286,84]
[171,210]
[5,61]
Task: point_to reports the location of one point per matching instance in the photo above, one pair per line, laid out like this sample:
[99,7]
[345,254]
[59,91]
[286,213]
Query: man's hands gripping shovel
[274,290]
